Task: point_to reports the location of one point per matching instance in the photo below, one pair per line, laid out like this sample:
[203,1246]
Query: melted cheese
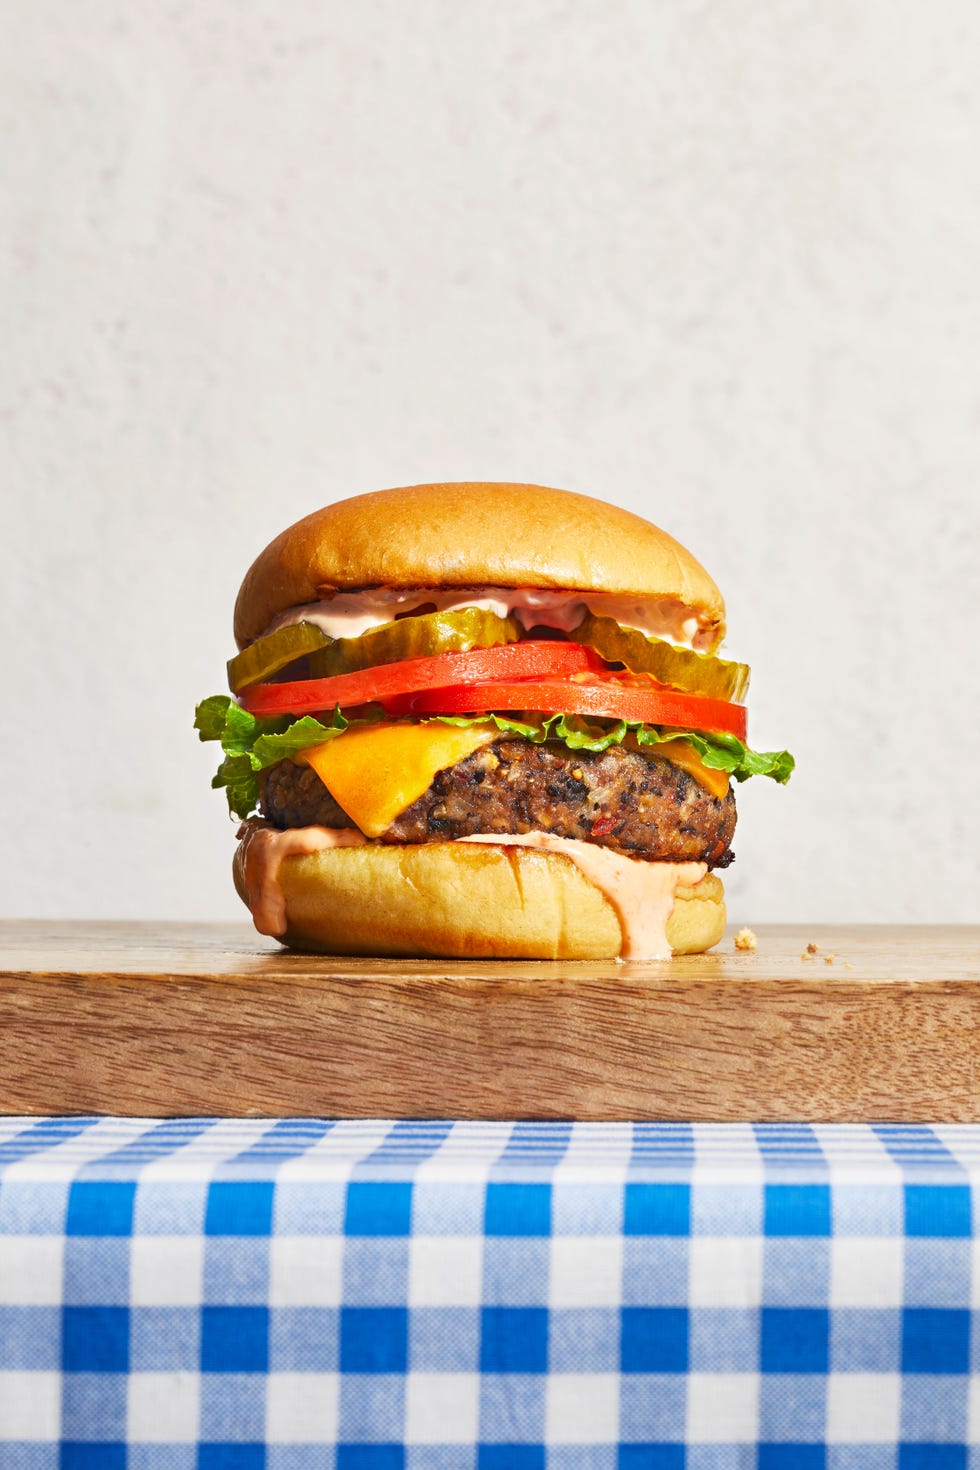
[680,753]
[377,771]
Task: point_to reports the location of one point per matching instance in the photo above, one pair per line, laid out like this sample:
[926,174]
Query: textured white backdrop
[716,262]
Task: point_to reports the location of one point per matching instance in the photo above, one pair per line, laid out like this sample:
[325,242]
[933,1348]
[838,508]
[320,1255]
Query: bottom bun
[699,916]
[468,901]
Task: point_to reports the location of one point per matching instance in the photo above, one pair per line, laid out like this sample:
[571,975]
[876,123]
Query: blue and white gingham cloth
[249,1295]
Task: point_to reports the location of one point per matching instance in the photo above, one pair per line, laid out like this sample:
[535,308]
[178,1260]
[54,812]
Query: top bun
[471,535]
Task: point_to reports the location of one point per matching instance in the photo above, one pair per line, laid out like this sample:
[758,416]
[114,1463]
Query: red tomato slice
[529,659]
[609,697]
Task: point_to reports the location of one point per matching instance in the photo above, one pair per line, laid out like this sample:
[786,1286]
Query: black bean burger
[483,720]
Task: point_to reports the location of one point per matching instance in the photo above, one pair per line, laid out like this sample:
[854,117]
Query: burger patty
[620,799]
[294,796]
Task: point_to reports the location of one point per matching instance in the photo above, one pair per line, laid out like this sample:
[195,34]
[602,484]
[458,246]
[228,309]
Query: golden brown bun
[699,916]
[472,535]
[454,900]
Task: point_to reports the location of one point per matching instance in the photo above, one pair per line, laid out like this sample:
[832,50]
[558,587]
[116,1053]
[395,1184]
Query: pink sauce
[264,849]
[643,894]
[349,614]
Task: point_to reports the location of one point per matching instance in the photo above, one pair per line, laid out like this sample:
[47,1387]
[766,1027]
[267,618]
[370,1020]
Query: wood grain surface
[160,1019]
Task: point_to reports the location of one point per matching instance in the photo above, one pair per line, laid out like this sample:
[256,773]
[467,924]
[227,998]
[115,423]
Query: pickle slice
[682,668]
[266,656]
[418,637]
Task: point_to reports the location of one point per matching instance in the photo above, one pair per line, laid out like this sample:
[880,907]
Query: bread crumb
[806,955]
[745,939]
[847,966]
[812,948]
[828,959]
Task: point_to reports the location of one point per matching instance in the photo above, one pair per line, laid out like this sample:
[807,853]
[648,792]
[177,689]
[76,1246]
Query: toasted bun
[471,535]
[699,916]
[454,900]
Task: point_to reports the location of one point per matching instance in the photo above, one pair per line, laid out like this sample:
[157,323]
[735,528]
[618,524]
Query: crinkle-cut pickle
[423,636]
[266,656]
[428,634]
[682,668]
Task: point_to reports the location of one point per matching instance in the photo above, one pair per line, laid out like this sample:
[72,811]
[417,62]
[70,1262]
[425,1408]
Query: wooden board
[162,1019]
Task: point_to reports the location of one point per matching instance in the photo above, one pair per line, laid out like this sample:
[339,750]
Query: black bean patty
[632,803]
[294,796]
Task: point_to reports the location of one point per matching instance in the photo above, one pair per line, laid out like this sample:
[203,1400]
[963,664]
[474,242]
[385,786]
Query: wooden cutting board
[160,1019]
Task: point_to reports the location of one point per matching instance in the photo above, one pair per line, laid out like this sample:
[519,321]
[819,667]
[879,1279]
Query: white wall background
[719,262]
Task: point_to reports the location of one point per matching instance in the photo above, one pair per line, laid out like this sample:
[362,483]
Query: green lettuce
[719,752]
[251,744]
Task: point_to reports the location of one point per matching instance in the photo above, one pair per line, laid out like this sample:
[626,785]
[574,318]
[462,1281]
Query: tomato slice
[605,697]
[530,659]
[542,675]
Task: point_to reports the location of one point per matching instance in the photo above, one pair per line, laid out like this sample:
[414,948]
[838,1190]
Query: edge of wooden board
[733,1040]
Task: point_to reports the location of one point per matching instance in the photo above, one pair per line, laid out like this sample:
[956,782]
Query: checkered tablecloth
[201,1295]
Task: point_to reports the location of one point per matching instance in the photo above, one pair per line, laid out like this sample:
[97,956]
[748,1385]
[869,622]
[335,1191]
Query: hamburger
[482,720]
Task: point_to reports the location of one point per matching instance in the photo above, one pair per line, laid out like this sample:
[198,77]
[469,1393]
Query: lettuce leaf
[251,744]
[718,751]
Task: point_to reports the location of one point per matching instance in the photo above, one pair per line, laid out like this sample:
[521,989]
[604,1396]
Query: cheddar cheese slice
[376,771]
